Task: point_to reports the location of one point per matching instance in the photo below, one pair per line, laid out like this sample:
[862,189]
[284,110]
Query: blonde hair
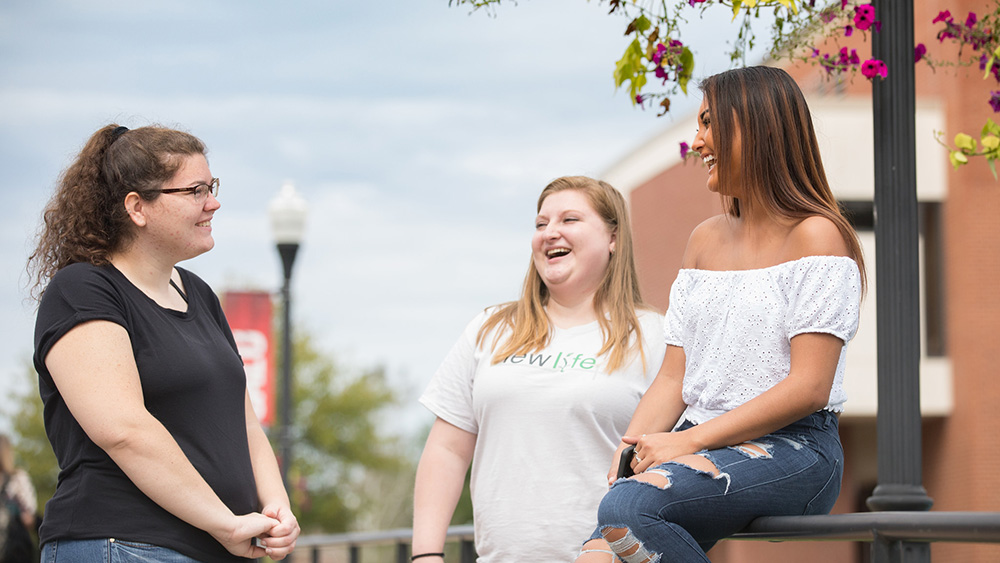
[615,301]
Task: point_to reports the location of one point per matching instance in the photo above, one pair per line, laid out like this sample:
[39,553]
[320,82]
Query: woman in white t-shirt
[537,392]
[759,317]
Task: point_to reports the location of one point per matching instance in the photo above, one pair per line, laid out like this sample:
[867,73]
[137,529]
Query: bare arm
[95,372]
[270,490]
[439,482]
[660,407]
[804,391]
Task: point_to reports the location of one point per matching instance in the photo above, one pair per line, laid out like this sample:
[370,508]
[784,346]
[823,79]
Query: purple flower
[685,147]
[848,31]
[815,52]
[843,4]
[942,17]
[693,2]
[855,60]
[918,52]
[971,20]
[995,100]
[864,16]
[874,67]
[639,99]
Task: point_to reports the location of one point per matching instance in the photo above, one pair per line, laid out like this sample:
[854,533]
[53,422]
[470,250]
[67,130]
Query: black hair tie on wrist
[415,557]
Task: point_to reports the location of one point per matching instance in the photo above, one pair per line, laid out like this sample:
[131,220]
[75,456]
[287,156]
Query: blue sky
[419,135]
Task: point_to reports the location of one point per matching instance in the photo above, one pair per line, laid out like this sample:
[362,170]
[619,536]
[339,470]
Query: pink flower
[918,52]
[942,17]
[639,100]
[864,16]
[843,4]
[874,67]
[848,31]
[685,148]
[970,20]
[693,2]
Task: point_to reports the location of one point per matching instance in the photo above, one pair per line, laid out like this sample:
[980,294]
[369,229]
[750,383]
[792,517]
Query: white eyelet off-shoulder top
[736,327]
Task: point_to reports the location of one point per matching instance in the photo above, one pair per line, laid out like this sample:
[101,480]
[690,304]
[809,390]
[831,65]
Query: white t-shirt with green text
[547,426]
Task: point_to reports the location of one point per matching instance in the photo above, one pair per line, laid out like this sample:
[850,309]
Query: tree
[339,448]
[31,445]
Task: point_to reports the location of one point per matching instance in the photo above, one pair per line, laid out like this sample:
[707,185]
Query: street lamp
[288,221]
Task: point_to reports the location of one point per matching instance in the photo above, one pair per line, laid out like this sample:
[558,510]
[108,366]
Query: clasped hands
[275,526]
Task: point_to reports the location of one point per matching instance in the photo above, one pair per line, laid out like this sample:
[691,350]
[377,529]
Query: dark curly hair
[86,221]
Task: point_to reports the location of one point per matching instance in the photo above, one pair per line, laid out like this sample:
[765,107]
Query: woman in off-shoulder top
[741,420]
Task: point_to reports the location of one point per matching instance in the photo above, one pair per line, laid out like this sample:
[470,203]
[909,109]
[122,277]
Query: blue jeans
[109,551]
[796,470]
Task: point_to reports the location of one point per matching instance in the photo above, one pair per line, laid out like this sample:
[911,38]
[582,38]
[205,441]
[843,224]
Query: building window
[861,214]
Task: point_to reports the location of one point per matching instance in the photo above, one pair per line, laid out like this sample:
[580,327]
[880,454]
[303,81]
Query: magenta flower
[874,67]
[995,100]
[843,4]
[639,99]
[848,31]
[685,147]
[693,2]
[970,20]
[942,17]
[864,16]
[918,52]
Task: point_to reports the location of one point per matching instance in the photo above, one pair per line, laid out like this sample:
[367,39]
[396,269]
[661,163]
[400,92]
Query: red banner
[249,314]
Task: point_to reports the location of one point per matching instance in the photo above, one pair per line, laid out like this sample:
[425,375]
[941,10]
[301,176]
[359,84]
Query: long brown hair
[782,173]
[86,221]
[615,301]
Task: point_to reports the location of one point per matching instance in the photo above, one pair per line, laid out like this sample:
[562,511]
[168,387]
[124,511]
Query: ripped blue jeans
[796,470]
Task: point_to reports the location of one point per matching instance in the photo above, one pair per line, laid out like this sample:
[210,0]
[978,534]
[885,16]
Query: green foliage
[339,450]
[31,445]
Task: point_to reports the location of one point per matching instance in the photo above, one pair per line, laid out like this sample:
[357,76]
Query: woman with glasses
[160,453]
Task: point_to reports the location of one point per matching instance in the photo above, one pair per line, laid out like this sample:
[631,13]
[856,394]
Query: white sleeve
[827,298]
[449,394]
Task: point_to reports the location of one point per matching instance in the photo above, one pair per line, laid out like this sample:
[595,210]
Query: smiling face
[572,244]
[704,145]
[177,224]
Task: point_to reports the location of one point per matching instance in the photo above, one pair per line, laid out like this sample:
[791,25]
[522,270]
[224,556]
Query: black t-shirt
[193,383]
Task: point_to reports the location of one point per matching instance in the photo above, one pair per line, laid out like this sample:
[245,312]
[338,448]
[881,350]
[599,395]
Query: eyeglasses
[200,192]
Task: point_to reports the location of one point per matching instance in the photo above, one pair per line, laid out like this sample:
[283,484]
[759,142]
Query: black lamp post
[288,219]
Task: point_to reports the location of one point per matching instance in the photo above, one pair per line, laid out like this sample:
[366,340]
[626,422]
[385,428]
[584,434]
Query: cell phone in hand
[625,463]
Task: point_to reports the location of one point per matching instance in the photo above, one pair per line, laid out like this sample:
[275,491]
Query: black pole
[287,252]
[897,272]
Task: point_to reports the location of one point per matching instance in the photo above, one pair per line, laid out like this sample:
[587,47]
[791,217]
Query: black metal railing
[891,533]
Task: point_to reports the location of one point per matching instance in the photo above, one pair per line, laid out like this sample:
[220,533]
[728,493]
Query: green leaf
[965,142]
[991,142]
[630,65]
[957,159]
[637,83]
[687,69]
[642,23]
[993,167]
[990,128]
[737,4]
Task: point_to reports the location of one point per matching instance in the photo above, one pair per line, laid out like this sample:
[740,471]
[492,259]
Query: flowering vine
[978,45]
[657,65]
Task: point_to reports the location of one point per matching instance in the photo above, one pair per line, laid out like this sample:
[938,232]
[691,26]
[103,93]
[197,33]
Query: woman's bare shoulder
[816,236]
[707,234]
